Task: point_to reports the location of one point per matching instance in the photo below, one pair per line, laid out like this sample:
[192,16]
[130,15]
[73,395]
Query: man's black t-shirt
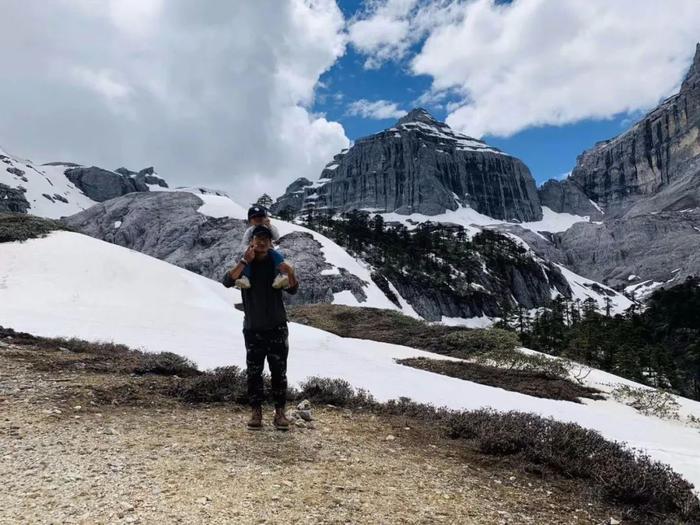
[262,304]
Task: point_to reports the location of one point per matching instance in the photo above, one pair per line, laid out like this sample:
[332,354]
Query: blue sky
[549,151]
[246,97]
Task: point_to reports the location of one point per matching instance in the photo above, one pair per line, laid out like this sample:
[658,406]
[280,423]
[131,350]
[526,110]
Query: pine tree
[265,201]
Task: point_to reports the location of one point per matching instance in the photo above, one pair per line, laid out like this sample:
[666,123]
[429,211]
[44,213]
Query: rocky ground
[79,446]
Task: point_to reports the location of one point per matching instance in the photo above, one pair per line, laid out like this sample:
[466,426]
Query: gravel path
[66,458]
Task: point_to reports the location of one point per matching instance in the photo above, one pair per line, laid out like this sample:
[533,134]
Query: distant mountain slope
[69,284]
[59,189]
[202,232]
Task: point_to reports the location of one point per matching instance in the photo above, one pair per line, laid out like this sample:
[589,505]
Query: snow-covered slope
[72,285]
[223,206]
[49,193]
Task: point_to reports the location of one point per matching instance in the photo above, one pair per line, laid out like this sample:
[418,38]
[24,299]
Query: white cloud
[538,62]
[379,109]
[103,81]
[386,29]
[217,95]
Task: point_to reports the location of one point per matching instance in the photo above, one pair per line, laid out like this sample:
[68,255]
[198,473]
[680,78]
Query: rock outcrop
[420,166]
[167,225]
[101,185]
[565,196]
[658,155]
[657,247]
[13,199]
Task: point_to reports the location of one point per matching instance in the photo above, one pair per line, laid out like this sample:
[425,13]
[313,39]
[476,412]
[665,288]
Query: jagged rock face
[309,262]
[421,166]
[293,199]
[530,286]
[565,196]
[101,185]
[166,225]
[653,247]
[12,200]
[658,152]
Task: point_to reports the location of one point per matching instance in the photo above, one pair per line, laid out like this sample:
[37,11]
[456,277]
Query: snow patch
[472,322]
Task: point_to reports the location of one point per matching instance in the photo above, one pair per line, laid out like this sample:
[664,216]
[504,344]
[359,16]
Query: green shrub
[22,226]
[515,360]
[167,364]
[336,392]
[648,401]
[470,343]
[224,384]
[621,474]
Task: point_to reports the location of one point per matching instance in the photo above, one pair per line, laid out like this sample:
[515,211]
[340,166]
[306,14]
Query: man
[264,325]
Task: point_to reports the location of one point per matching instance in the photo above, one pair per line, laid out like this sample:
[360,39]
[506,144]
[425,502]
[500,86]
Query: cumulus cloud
[537,62]
[217,95]
[386,29]
[379,109]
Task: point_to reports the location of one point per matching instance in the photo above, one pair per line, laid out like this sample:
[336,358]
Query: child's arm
[247,236]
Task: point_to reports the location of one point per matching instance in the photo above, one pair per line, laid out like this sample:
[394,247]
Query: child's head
[256,215]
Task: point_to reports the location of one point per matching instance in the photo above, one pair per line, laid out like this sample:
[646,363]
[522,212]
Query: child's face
[257,221]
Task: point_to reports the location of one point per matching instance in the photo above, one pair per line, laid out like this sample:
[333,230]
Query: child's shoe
[281,281]
[243,283]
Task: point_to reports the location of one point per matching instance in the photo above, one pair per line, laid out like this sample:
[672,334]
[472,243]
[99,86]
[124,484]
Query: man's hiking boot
[242,283]
[255,422]
[281,422]
[281,281]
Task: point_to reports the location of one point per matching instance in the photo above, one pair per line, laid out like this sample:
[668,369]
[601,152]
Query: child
[257,216]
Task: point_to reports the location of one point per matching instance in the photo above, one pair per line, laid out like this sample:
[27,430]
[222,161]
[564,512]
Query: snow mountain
[58,189]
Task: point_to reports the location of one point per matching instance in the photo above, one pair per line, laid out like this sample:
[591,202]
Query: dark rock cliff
[101,185]
[420,166]
[656,155]
[12,200]
[565,196]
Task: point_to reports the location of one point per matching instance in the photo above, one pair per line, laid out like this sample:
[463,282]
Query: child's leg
[282,280]
[244,280]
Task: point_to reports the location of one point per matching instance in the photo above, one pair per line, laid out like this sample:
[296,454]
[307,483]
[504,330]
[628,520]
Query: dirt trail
[66,458]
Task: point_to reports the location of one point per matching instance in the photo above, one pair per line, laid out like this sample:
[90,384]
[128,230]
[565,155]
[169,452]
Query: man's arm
[234,273]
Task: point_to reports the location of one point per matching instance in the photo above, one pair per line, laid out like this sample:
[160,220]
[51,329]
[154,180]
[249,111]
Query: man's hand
[235,272]
[249,255]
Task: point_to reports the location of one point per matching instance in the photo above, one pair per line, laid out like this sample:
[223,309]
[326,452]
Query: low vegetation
[375,324]
[651,491]
[532,383]
[648,401]
[21,226]
[105,357]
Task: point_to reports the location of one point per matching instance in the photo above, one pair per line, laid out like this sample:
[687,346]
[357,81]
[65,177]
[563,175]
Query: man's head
[256,215]
[262,239]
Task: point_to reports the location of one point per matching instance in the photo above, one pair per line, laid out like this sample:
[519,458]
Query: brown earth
[82,446]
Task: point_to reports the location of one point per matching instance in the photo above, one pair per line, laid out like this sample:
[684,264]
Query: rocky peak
[419,115]
[693,75]
[420,165]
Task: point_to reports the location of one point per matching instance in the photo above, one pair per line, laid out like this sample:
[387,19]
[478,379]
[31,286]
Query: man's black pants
[274,345]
